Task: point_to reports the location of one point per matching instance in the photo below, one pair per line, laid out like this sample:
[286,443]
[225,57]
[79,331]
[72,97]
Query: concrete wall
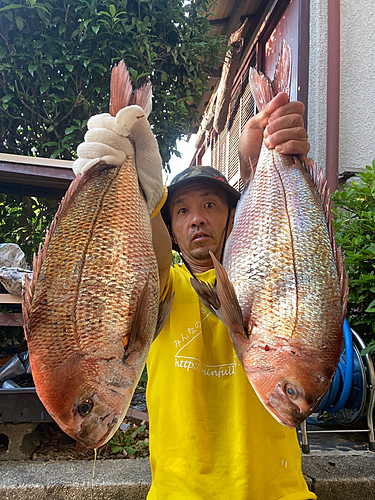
[357,91]
[317,100]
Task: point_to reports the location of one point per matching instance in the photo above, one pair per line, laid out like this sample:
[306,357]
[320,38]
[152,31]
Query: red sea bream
[282,289]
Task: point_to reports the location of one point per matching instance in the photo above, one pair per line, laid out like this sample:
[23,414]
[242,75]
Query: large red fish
[282,289]
[91,309]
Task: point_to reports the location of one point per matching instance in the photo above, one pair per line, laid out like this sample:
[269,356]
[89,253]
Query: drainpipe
[333,94]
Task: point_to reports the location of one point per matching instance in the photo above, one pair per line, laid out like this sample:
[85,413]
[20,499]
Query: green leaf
[95,29]
[6,98]
[112,10]
[141,428]
[20,23]
[69,130]
[31,69]
[12,6]
[371,307]
[56,153]
[130,450]
[69,67]
[39,7]
[43,88]
[367,350]
[116,449]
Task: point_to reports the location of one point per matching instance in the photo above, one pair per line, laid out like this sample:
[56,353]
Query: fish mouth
[115,424]
[95,431]
[112,426]
[96,441]
[297,416]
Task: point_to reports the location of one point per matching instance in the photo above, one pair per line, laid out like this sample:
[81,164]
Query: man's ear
[173,238]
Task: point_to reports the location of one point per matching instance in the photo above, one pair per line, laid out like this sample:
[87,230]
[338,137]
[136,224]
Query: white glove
[107,139]
[103,141]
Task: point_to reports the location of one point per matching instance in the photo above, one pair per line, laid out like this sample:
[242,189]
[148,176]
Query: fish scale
[87,294]
[273,285]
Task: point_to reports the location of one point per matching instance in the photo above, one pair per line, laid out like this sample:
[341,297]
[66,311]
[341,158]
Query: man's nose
[198,219]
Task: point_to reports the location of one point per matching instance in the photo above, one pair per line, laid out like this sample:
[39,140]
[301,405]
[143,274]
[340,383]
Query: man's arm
[163,249]
[281,123]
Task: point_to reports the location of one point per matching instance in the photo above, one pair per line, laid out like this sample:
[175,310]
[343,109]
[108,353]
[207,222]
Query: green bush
[55,65]
[24,220]
[354,208]
[56,58]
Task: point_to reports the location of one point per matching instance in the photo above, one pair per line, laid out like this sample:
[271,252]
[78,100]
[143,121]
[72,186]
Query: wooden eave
[228,15]
[34,176]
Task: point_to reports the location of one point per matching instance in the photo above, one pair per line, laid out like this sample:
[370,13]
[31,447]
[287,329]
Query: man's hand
[281,126]
[109,138]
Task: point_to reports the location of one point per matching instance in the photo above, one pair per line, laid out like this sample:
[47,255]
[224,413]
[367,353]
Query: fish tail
[122,94]
[121,88]
[262,88]
[143,97]
[283,71]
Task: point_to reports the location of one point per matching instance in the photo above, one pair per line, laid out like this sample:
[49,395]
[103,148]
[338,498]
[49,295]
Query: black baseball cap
[192,174]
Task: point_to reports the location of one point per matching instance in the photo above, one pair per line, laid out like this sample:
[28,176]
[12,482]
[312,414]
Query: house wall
[357,90]
[317,97]
[357,93]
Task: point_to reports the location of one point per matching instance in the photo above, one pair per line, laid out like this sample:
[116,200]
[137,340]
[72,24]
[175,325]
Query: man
[210,437]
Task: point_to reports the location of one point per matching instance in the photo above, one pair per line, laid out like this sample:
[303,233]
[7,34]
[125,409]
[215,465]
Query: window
[287,19]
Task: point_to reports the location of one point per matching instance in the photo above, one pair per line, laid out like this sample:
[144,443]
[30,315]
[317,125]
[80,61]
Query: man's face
[199,215]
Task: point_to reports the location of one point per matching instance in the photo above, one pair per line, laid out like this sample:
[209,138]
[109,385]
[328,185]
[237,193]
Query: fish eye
[85,406]
[290,391]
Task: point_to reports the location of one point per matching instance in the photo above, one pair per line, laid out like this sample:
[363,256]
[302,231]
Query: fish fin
[164,312]
[137,344]
[207,295]
[231,314]
[139,332]
[221,299]
[262,88]
[323,192]
[248,182]
[121,88]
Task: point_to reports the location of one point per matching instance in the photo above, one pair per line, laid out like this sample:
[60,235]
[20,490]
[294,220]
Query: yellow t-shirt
[210,437]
